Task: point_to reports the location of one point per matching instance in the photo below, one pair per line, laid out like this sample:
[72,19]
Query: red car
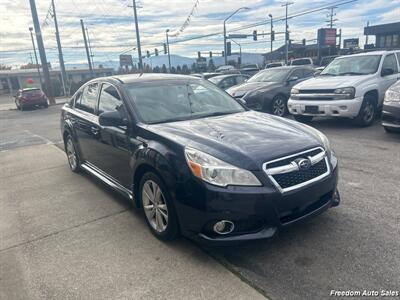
[30,97]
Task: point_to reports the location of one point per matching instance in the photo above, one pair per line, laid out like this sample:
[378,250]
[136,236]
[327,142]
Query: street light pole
[37,62]
[169,56]
[286,32]
[231,15]
[240,50]
[60,54]
[272,29]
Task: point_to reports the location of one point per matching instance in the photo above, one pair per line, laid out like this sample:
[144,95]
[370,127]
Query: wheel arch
[373,93]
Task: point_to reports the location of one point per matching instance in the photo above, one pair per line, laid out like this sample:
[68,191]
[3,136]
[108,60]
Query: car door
[389,62]
[85,121]
[113,151]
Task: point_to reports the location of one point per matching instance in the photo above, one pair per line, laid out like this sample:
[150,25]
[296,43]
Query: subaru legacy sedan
[195,160]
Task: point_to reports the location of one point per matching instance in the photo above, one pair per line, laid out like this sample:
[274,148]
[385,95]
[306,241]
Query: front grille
[294,178]
[316,91]
[287,174]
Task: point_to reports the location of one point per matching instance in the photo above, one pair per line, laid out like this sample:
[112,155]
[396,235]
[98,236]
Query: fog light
[343,107]
[224,227]
[336,198]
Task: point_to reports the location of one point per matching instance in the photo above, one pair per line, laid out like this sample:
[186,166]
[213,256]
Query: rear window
[32,92]
[301,62]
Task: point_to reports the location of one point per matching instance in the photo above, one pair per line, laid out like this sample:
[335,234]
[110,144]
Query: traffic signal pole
[138,36]
[42,53]
[60,54]
[87,49]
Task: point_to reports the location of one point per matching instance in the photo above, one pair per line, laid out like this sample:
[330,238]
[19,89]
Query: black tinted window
[308,72]
[297,73]
[109,99]
[390,63]
[240,79]
[87,101]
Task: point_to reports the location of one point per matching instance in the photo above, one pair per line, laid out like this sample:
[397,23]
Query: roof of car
[30,89]
[291,67]
[228,75]
[130,78]
[381,52]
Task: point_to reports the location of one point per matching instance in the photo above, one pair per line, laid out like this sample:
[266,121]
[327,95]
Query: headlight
[392,96]
[218,172]
[294,91]
[345,93]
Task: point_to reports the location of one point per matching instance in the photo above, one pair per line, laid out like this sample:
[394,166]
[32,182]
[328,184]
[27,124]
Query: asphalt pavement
[67,235]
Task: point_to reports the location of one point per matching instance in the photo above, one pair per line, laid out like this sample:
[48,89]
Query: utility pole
[90,47]
[366,37]
[42,52]
[331,15]
[60,54]
[138,36]
[169,56]
[87,49]
[286,32]
[240,50]
[272,30]
[37,62]
[30,55]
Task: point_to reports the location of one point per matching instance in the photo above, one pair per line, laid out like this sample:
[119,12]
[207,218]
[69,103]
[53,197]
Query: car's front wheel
[279,106]
[366,115]
[158,208]
[73,159]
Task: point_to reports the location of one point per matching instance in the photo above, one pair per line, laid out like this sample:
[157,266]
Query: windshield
[273,75]
[301,62]
[32,92]
[215,80]
[353,65]
[169,102]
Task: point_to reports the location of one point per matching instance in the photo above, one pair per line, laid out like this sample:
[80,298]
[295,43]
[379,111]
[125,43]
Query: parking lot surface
[66,235]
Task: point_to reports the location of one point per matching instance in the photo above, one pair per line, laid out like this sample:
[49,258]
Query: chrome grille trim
[293,167]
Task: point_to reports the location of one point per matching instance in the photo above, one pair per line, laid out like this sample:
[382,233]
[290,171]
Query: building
[13,80]
[387,36]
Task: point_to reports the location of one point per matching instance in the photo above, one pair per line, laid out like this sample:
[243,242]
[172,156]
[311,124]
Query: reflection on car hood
[242,89]
[331,82]
[245,139]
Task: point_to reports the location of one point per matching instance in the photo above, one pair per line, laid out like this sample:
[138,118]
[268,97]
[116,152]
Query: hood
[331,82]
[246,139]
[242,89]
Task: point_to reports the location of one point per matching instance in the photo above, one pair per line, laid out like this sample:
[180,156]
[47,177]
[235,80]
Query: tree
[211,66]
[4,67]
[164,69]
[179,70]
[147,68]
[194,68]
[156,69]
[30,66]
[185,69]
[173,70]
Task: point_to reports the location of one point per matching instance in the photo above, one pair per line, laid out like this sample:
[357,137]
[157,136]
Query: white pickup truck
[351,86]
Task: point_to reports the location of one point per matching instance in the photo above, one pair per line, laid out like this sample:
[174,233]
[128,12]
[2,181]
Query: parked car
[391,109]
[249,69]
[274,65]
[326,60]
[226,81]
[224,68]
[306,61]
[30,97]
[206,75]
[350,86]
[195,160]
[269,90]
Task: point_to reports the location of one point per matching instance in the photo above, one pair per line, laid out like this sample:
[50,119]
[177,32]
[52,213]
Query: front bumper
[327,108]
[257,212]
[391,115]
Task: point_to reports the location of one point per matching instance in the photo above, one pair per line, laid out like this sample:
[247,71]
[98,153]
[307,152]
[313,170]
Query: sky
[111,25]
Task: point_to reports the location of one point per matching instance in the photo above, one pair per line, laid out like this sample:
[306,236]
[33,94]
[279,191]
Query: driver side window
[390,63]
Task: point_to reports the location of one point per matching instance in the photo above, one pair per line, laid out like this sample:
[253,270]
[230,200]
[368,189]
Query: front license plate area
[311,109]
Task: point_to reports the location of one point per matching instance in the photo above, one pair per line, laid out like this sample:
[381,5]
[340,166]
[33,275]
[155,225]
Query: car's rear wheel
[70,150]
[279,106]
[303,119]
[46,105]
[366,115]
[158,208]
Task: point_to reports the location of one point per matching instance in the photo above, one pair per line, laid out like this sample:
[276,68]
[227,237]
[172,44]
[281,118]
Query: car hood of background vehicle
[251,86]
[246,139]
[331,82]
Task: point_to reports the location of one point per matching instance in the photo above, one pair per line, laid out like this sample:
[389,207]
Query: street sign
[327,37]
[351,43]
[237,36]
[125,60]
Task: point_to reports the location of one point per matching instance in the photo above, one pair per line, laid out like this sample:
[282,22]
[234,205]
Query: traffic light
[228,49]
[156,51]
[223,53]
[255,35]
[165,48]
[304,42]
[148,53]
[210,54]
[273,35]
[198,54]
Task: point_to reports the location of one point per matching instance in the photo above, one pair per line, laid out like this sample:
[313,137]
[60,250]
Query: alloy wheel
[279,107]
[155,206]
[369,112]
[71,154]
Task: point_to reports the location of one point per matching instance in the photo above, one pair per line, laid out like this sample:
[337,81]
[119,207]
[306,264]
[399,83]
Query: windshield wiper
[217,113]
[327,74]
[176,119]
[351,73]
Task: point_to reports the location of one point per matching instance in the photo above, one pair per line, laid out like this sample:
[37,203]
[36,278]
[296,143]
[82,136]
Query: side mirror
[112,118]
[316,73]
[387,72]
[293,78]
[241,101]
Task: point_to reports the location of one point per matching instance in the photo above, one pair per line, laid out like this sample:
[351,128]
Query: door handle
[94,130]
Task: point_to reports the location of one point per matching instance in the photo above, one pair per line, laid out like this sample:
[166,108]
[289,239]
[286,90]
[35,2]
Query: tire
[366,115]
[46,105]
[303,119]
[279,106]
[159,211]
[72,155]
